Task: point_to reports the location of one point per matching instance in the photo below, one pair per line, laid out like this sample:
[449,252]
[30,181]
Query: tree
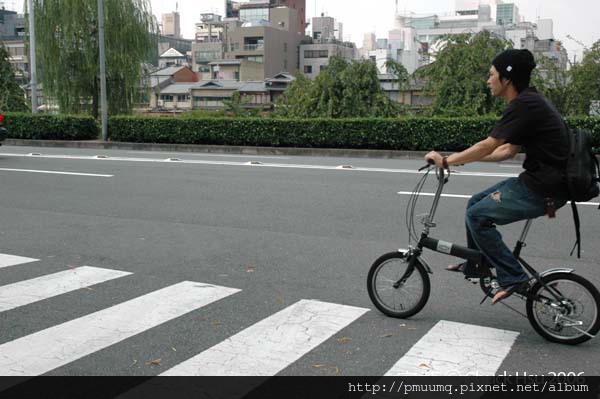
[554,83]
[457,79]
[399,71]
[342,90]
[586,80]
[12,97]
[237,107]
[67,46]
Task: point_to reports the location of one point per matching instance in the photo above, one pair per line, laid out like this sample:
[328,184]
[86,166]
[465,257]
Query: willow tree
[68,53]
[457,79]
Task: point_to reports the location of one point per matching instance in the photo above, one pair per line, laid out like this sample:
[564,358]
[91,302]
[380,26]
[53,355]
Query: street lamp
[102,69]
[32,63]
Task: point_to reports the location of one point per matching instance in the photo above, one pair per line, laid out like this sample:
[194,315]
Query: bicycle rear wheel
[572,319]
[395,290]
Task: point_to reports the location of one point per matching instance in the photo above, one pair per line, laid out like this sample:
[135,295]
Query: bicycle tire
[375,290]
[584,287]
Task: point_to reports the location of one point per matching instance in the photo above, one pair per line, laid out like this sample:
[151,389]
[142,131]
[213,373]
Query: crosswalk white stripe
[456,349]
[12,260]
[37,289]
[56,346]
[272,344]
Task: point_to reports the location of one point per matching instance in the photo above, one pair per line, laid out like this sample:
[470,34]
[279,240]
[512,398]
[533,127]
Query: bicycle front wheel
[394,289]
[566,312]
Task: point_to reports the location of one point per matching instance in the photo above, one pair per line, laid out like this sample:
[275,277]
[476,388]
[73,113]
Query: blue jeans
[506,202]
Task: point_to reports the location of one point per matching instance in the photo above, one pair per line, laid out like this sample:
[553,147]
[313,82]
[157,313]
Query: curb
[218,149]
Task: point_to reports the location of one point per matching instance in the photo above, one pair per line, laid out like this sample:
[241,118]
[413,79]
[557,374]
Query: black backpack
[582,174]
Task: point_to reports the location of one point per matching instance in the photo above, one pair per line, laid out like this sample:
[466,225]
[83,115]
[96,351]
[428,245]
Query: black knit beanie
[515,65]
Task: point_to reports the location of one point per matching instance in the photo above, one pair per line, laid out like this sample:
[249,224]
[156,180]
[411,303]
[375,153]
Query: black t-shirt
[532,122]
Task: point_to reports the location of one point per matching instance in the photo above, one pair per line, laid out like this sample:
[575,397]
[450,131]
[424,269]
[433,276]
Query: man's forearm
[475,153]
[501,153]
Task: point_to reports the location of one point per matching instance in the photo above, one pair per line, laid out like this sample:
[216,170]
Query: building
[183,46]
[210,42]
[177,96]
[415,37]
[412,96]
[171,57]
[266,47]
[314,57]
[12,36]
[380,58]
[507,14]
[171,25]
[323,28]
[161,78]
[369,42]
[260,10]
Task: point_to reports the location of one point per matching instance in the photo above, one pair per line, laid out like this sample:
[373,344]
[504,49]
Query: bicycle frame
[459,251]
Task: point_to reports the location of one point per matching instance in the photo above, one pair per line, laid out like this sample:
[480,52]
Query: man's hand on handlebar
[436,158]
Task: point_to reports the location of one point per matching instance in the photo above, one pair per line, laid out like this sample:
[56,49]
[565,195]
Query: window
[259,59]
[206,56]
[202,101]
[166,98]
[254,14]
[183,98]
[316,53]
[254,43]
[308,69]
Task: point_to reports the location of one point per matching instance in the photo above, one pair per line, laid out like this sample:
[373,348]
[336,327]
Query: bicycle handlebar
[429,163]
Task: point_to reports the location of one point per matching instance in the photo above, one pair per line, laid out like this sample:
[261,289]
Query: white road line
[37,289]
[469,196]
[456,349]
[48,349]
[53,172]
[272,344]
[217,155]
[12,260]
[337,168]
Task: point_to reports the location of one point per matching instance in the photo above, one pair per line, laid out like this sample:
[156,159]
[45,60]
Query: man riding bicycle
[531,122]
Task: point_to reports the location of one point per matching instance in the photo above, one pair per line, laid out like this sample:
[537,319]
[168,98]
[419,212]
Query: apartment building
[171,24]
[257,10]
[265,47]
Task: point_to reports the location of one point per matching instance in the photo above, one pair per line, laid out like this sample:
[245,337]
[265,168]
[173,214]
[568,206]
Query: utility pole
[32,63]
[102,70]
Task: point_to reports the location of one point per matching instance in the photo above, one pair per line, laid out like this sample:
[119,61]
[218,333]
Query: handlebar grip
[429,163]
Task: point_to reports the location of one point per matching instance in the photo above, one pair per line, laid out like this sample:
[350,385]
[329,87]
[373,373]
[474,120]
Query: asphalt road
[278,229]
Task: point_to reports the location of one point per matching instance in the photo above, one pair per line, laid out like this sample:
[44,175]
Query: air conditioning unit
[161,103]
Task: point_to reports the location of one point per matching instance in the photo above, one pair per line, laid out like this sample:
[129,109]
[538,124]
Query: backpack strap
[577,232]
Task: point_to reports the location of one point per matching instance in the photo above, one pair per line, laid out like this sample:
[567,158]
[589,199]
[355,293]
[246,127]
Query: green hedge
[51,127]
[412,134]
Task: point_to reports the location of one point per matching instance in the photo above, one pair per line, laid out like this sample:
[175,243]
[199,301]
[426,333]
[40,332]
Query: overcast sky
[578,18]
